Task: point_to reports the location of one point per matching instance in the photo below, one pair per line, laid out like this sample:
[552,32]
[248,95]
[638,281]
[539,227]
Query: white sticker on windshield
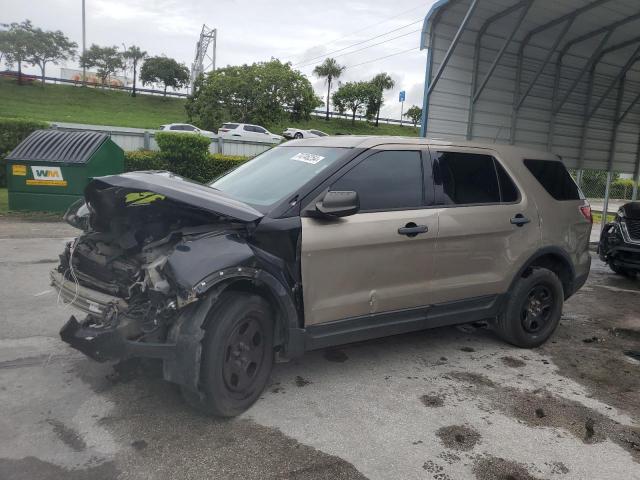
[311,158]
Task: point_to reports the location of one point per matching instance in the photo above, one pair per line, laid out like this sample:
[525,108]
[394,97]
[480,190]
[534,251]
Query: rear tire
[237,355]
[298,135]
[533,310]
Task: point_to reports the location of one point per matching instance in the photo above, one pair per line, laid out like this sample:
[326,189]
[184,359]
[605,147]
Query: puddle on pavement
[458,437]
[488,467]
[540,408]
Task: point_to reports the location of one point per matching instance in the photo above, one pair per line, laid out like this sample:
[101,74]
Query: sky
[301,32]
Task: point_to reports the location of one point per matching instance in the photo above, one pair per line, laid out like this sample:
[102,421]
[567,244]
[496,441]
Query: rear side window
[555,179]
[230,126]
[467,178]
[386,180]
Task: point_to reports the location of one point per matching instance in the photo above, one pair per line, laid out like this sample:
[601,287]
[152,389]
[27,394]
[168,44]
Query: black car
[620,241]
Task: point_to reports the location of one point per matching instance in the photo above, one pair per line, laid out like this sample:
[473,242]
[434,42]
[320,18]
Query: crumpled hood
[154,186]
[632,210]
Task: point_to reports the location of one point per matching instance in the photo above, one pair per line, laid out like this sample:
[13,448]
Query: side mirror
[338,204]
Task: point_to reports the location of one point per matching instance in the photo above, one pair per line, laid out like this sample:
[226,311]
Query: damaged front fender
[188,330]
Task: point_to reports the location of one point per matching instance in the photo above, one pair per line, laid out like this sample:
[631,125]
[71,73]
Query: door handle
[520,220]
[411,229]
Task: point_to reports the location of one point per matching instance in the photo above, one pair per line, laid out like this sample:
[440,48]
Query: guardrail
[146,91]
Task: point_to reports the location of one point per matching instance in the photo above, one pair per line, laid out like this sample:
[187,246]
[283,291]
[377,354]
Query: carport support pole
[636,173]
[585,123]
[475,92]
[427,77]
[612,151]
[605,206]
[429,84]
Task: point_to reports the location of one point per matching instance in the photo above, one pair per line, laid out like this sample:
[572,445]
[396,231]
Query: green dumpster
[49,170]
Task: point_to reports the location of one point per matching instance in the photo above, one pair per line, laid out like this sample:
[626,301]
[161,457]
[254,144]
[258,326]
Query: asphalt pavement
[449,403]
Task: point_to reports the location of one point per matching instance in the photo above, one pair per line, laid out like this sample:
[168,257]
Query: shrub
[12,132]
[622,188]
[144,160]
[180,148]
[202,170]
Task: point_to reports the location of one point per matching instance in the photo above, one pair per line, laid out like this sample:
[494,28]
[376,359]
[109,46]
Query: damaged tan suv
[315,243]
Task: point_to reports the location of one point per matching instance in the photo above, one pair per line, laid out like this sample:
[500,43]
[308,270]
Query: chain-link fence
[606,191]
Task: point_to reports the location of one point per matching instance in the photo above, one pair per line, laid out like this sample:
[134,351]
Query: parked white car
[299,133]
[246,131]
[186,128]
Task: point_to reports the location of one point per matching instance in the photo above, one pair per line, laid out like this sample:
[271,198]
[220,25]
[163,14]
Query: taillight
[223,129]
[586,212]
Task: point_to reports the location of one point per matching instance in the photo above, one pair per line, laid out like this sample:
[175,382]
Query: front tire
[237,355]
[533,310]
[298,135]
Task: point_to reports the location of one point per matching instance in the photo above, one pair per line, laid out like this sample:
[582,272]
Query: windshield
[276,173]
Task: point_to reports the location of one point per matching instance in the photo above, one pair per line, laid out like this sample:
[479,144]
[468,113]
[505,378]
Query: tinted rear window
[555,179]
[467,178]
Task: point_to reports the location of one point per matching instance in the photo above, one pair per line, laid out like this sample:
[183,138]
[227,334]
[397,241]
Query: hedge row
[200,169]
[12,132]
[622,189]
[185,154]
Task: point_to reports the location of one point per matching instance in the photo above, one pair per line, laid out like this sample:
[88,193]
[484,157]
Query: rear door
[363,264]
[488,225]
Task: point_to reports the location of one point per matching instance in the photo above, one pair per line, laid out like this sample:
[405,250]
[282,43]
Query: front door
[488,227]
[369,263]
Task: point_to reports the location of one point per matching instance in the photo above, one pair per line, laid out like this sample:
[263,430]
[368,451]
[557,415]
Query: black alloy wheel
[536,310]
[244,355]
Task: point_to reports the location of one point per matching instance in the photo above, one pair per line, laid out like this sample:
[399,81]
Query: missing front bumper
[109,343]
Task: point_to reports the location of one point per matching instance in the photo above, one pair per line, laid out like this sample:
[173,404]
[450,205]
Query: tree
[133,54]
[49,47]
[354,97]
[264,93]
[329,69]
[106,59]
[16,42]
[166,71]
[380,82]
[414,113]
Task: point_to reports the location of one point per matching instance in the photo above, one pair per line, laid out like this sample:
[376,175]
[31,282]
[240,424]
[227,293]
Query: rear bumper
[109,343]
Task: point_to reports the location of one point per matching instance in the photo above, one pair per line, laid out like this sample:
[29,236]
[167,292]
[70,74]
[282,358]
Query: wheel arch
[188,330]
[552,258]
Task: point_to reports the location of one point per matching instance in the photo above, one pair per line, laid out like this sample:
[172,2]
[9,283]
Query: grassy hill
[67,103]
[94,106]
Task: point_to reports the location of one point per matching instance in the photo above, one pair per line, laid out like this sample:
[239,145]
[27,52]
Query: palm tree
[329,69]
[382,82]
[134,54]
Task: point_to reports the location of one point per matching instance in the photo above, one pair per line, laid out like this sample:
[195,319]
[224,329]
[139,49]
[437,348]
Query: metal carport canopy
[559,75]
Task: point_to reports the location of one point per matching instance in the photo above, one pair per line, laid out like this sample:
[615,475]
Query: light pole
[84,47]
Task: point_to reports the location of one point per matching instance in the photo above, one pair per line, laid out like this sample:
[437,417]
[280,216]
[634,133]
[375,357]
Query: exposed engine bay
[142,255]
[120,276]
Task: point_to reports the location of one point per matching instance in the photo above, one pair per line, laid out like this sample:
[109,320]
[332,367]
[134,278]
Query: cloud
[251,31]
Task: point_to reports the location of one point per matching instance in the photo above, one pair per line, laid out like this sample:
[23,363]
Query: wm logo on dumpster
[47,176]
